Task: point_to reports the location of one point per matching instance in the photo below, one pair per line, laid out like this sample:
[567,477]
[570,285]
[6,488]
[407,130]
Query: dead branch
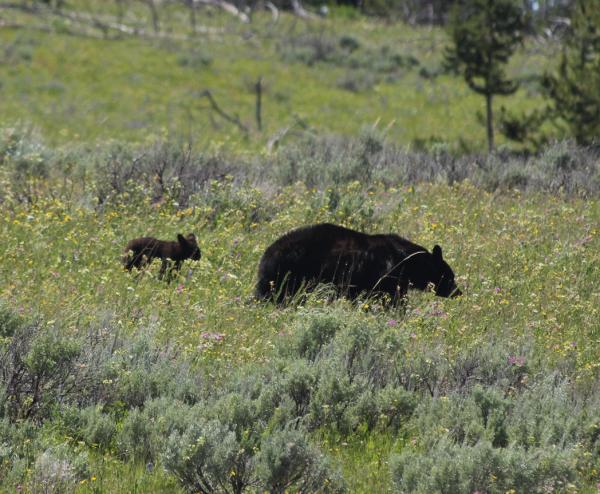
[225,6]
[300,11]
[258,87]
[233,119]
[47,29]
[274,11]
[103,23]
[276,138]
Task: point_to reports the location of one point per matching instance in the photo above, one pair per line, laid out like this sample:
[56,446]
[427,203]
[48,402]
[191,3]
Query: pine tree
[574,90]
[485,34]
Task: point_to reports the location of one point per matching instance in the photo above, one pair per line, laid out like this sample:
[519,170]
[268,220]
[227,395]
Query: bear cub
[141,251]
[353,262]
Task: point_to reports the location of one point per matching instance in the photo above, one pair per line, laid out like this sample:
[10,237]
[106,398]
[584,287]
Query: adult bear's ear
[437,252]
[181,239]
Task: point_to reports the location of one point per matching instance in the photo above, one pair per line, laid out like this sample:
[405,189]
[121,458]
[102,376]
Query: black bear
[353,262]
[141,251]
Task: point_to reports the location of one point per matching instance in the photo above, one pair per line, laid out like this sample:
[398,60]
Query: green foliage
[206,457]
[90,424]
[135,437]
[573,89]
[492,442]
[9,323]
[287,461]
[485,34]
[215,455]
[482,468]
[36,369]
[58,469]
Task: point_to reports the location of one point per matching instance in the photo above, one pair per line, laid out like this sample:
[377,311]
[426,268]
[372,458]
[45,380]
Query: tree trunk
[120,11]
[154,14]
[490,122]
[192,6]
[258,88]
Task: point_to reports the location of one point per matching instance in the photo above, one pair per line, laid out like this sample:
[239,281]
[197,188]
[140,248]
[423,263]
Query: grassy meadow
[120,382]
[334,75]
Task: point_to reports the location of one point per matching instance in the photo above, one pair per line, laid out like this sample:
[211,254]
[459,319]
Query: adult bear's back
[349,259]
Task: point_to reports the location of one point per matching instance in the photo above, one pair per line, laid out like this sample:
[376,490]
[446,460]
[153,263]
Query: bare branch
[103,23]
[274,11]
[300,11]
[233,119]
[227,7]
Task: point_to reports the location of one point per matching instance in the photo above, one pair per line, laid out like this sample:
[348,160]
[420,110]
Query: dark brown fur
[353,262]
[143,250]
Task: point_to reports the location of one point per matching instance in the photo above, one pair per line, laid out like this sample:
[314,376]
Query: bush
[16,450]
[356,81]
[286,461]
[449,468]
[206,457]
[491,441]
[58,470]
[25,160]
[212,455]
[10,321]
[36,371]
[134,439]
[312,333]
[90,424]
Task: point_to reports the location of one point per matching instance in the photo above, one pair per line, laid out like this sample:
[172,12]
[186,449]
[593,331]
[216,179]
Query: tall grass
[106,374]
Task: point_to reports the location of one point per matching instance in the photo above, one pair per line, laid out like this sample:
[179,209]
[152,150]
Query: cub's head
[442,275]
[190,246]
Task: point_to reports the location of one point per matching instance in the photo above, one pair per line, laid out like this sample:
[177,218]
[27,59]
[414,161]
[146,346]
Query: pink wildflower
[517,360]
[212,336]
[437,313]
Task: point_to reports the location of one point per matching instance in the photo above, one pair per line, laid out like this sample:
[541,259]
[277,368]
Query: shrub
[27,162]
[58,470]
[206,457]
[9,323]
[450,468]
[287,461]
[36,371]
[312,333]
[356,81]
[134,439]
[491,441]
[89,424]
[309,49]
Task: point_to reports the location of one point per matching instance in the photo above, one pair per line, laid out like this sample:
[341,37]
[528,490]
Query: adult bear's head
[442,275]
[425,268]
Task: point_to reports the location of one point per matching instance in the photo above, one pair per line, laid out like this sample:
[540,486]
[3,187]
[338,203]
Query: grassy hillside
[337,75]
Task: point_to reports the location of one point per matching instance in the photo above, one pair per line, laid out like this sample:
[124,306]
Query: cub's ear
[191,237]
[437,252]
[181,239]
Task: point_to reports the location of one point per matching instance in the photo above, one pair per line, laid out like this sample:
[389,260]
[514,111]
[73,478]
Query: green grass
[64,261]
[528,265]
[86,89]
